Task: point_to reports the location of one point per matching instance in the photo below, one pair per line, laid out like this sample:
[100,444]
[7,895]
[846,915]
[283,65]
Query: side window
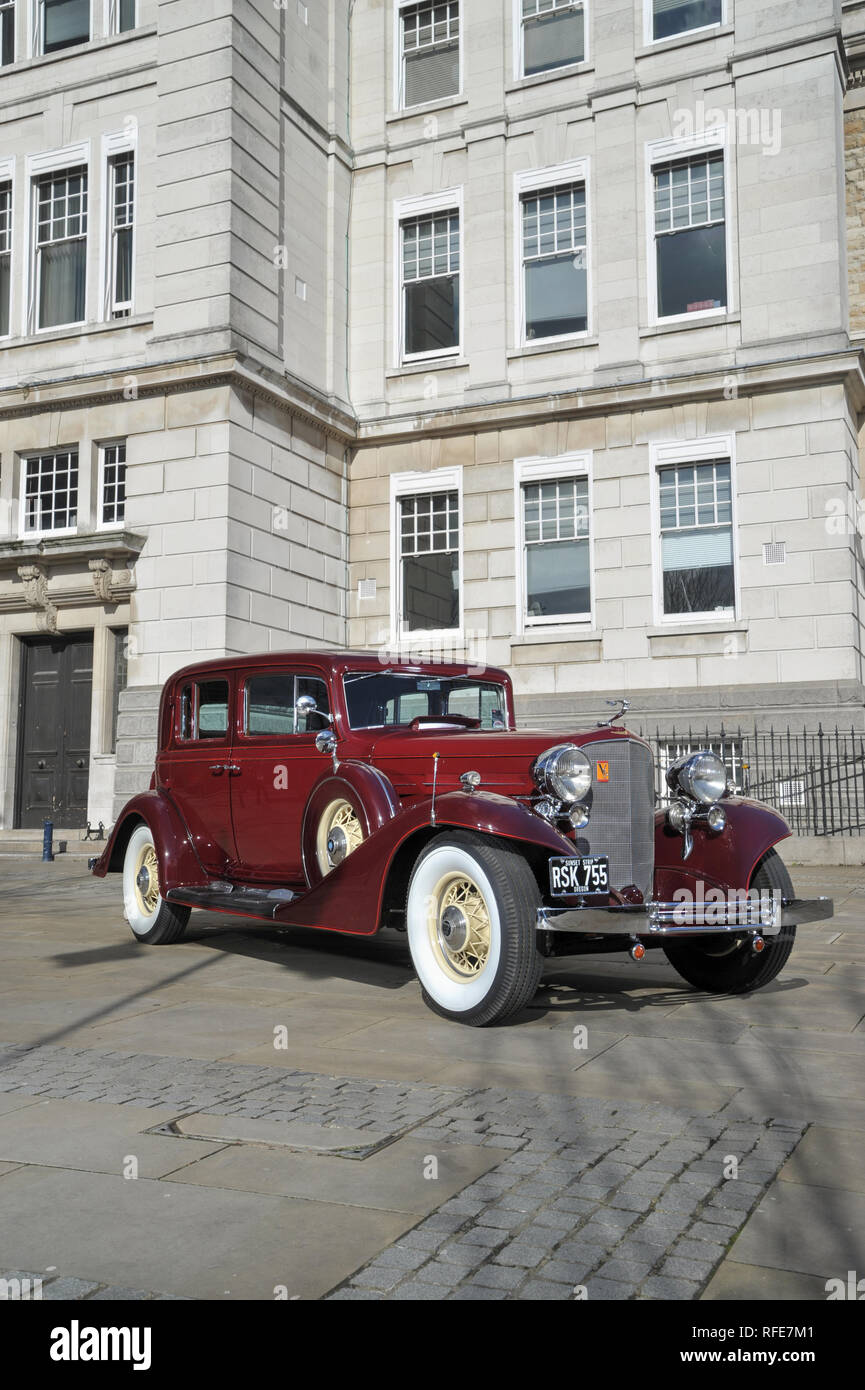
[270,705]
[271,702]
[212,709]
[316,720]
[186,709]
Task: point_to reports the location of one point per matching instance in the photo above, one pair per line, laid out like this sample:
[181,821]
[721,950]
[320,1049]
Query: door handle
[41,764]
[232,769]
[216,768]
[79,762]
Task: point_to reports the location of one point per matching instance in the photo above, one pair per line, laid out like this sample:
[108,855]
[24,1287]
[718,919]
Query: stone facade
[270,418]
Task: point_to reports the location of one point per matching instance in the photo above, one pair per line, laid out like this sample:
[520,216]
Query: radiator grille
[622,824]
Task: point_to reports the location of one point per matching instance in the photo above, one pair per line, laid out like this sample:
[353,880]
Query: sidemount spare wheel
[152,919]
[470,916]
[727,964]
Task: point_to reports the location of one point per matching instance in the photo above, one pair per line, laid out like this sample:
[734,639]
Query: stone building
[525,330]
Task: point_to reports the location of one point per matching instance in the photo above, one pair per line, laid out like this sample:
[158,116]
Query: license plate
[580,874]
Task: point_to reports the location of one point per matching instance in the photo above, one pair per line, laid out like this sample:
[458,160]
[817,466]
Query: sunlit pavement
[255,1114]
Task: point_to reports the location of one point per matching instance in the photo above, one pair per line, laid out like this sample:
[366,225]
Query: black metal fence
[816,780]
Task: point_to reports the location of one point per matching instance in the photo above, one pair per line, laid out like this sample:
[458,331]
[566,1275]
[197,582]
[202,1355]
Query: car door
[277,765]
[196,769]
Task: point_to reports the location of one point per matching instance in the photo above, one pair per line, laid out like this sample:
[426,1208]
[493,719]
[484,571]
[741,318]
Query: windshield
[376,699]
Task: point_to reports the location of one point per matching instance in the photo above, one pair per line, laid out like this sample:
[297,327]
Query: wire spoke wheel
[147,880]
[339,834]
[460,927]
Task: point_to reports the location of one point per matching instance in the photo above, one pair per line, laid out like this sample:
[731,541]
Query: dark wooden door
[57,679]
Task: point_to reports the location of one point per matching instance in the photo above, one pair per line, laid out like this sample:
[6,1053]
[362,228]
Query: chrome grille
[622,824]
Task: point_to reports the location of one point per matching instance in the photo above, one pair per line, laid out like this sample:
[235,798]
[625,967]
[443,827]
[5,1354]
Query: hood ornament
[619,714]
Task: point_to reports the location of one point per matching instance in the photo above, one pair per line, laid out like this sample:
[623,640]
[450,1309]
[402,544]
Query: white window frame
[668,454]
[649,25]
[112,18]
[7,175]
[100,495]
[37,27]
[43,533]
[544,470]
[124,142]
[410,485]
[53,162]
[532,181]
[519,46]
[404,210]
[662,152]
[398,86]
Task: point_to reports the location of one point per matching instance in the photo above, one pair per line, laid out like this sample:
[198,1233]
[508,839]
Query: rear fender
[726,860]
[179,865]
[352,896]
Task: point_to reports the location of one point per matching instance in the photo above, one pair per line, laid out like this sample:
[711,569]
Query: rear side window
[204,710]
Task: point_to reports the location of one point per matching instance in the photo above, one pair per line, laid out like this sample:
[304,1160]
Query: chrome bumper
[766,915]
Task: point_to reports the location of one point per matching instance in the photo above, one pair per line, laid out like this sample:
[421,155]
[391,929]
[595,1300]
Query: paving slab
[289,1134]
[192,1241]
[828,1157]
[805,1229]
[742,1283]
[97,1137]
[397,1178]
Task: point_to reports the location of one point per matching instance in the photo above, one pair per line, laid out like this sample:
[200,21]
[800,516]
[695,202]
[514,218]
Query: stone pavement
[255,1114]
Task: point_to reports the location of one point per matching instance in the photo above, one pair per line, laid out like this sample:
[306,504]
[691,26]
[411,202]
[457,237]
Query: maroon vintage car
[330,790]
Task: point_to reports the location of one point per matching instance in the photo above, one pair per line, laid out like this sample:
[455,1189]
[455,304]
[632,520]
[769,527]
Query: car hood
[504,758]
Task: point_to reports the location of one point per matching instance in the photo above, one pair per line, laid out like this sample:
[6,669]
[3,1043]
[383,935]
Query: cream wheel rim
[339,834]
[459,926]
[146,880]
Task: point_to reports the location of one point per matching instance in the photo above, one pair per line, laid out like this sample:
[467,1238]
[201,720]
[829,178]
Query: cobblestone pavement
[45,1287]
[620,1199]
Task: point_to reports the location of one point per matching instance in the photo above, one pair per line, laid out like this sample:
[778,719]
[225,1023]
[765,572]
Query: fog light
[579,817]
[677,816]
[470,780]
[717,819]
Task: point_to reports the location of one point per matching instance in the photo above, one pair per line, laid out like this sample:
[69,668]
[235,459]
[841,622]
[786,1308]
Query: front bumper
[766,915]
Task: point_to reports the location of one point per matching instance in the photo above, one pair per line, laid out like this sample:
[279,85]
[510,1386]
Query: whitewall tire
[151,918]
[470,916]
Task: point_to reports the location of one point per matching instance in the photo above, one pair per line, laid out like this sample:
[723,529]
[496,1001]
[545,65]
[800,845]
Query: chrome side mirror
[325,742]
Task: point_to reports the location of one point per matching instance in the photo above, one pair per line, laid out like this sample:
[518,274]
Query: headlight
[703,777]
[564,772]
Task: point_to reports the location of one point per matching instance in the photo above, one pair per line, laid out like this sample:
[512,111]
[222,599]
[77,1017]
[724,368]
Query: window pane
[5,282]
[270,705]
[432,315]
[430,592]
[692,271]
[62,283]
[551,41]
[212,709]
[123,266]
[557,579]
[65,22]
[7,34]
[432,74]
[677,16]
[556,300]
[126,16]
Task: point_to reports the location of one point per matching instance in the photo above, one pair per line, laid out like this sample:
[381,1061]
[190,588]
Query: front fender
[350,898]
[179,865]
[727,860]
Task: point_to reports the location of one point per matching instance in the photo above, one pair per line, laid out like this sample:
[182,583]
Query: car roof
[334,662]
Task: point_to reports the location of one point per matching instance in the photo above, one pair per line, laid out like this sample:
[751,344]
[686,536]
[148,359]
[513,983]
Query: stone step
[28,844]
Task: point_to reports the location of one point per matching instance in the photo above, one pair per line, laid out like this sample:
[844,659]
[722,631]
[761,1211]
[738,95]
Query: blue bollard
[47,840]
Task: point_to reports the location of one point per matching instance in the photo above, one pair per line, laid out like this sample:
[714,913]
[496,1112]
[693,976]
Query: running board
[241,900]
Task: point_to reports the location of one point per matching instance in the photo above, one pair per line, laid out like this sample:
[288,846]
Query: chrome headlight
[702,777]
[564,772]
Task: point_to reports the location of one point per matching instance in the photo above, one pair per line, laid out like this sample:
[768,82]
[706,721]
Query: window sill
[540,79]
[430,364]
[542,637]
[707,33]
[686,323]
[76,330]
[538,349]
[408,112]
[700,627]
[38,60]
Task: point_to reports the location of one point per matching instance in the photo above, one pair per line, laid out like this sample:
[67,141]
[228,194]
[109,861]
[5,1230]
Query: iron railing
[816,780]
